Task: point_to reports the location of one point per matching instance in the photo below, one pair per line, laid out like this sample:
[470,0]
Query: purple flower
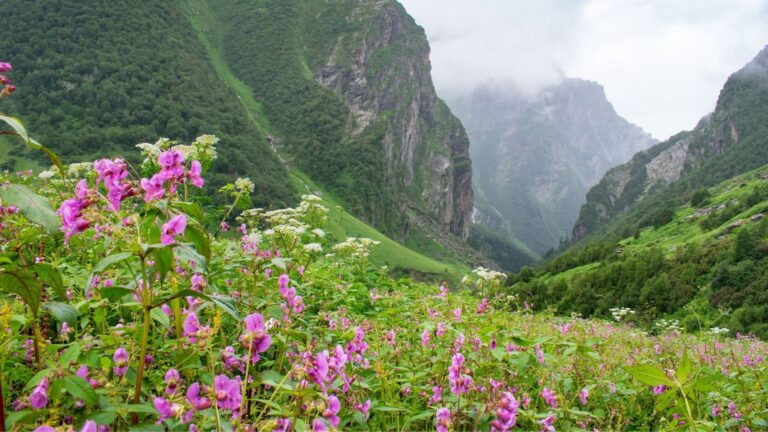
[255,339]
[193,396]
[113,172]
[437,394]
[457,314]
[5,67]
[459,382]
[44,428]
[425,337]
[364,408]
[191,326]
[318,425]
[195,174]
[550,398]
[198,282]
[166,409]
[39,397]
[90,426]
[72,220]
[172,380]
[154,188]
[121,361]
[172,165]
[583,396]
[715,410]
[227,393]
[546,424]
[174,227]
[659,389]
[282,425]
[333,408]
[506,414]
[443,419]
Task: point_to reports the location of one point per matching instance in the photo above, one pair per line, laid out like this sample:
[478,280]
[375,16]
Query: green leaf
[160,316]
[51,277]
[71,354]
[140,408]
[227,304]
[280,262]
[63,312]
[36,208]
[649,375]
[21,131]
[163,261]
[665,399]
[115,293]
[684,368]
[23,284]
[187,252]
[199,238]
[81,389]
[192,209]
[706,384]
[36,378]
[274,379]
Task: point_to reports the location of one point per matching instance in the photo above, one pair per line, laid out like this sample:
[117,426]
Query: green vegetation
[95,78]
[702,265]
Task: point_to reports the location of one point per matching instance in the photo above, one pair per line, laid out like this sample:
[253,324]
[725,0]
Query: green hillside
[704,262]
[96,78]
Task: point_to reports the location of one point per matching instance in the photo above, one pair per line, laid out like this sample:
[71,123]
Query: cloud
[662,62]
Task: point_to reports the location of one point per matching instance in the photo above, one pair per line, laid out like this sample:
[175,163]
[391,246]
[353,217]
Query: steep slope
[535,156]
[706,265]
[731,140]
[346,87]
[96,78]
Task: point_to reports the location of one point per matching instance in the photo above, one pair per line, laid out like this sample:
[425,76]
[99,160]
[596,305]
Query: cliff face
[347,86]
[536,156]
[731,140]
[383,73]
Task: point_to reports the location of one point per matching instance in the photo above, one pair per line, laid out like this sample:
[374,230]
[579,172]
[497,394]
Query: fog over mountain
[662,62]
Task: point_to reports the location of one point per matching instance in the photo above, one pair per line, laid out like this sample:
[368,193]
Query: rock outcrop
[725,143]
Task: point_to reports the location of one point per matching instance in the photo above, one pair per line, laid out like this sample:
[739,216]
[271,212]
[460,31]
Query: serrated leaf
[34,207]
[140,408]
[23,284]
[71,354]
[665,399]
[62,312]
[199,238]
[51,277]
[104,418]
[81,389]
[274,379]
[649,375]
[110,260]
[706,384]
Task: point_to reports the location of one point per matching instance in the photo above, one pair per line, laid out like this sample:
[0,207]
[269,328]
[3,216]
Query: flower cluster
[6,88]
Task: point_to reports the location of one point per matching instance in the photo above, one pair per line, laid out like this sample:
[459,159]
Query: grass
[389,253]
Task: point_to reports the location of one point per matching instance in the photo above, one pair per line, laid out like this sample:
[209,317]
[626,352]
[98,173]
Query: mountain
[729,141]
[705,266]
[535,156]
[342,90]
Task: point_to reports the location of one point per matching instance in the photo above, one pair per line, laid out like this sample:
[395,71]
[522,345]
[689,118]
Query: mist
[662,62]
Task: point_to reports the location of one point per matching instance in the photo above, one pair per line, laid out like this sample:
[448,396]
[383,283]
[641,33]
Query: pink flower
[120,359]
[440,329]
[165,409]
[193,396]
[195,172]
[437,394]
[174,227]
[256,339]
[659,389]
[482,307]
[546,424]
[457,314]
[459,382]
[227,392]
[5,67]
[583,396]
[425,337]
[330,413]
[72,220]
[506,414]
[364,408]
[550,398]
[443,419]
[39,397]
[172,165]
[318,425]
[154,188]
[172,380]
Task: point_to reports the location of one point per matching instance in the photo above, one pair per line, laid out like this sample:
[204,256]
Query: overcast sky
[662,62]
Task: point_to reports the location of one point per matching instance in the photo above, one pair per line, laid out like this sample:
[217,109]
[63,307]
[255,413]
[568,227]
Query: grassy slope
[680,232]
[342,224]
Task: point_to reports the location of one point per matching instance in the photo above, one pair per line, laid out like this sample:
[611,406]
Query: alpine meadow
[307,215]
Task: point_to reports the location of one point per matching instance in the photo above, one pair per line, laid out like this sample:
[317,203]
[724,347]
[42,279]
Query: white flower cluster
[717,331]
[79,169]
[313,247]
[355,246]
[669,326]
[202,149]
[244,184]
[489,275]
[47,174]
[620,313]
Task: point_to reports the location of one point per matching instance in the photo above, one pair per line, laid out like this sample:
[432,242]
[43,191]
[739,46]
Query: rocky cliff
[347,87]
[729,141]
[535,156]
